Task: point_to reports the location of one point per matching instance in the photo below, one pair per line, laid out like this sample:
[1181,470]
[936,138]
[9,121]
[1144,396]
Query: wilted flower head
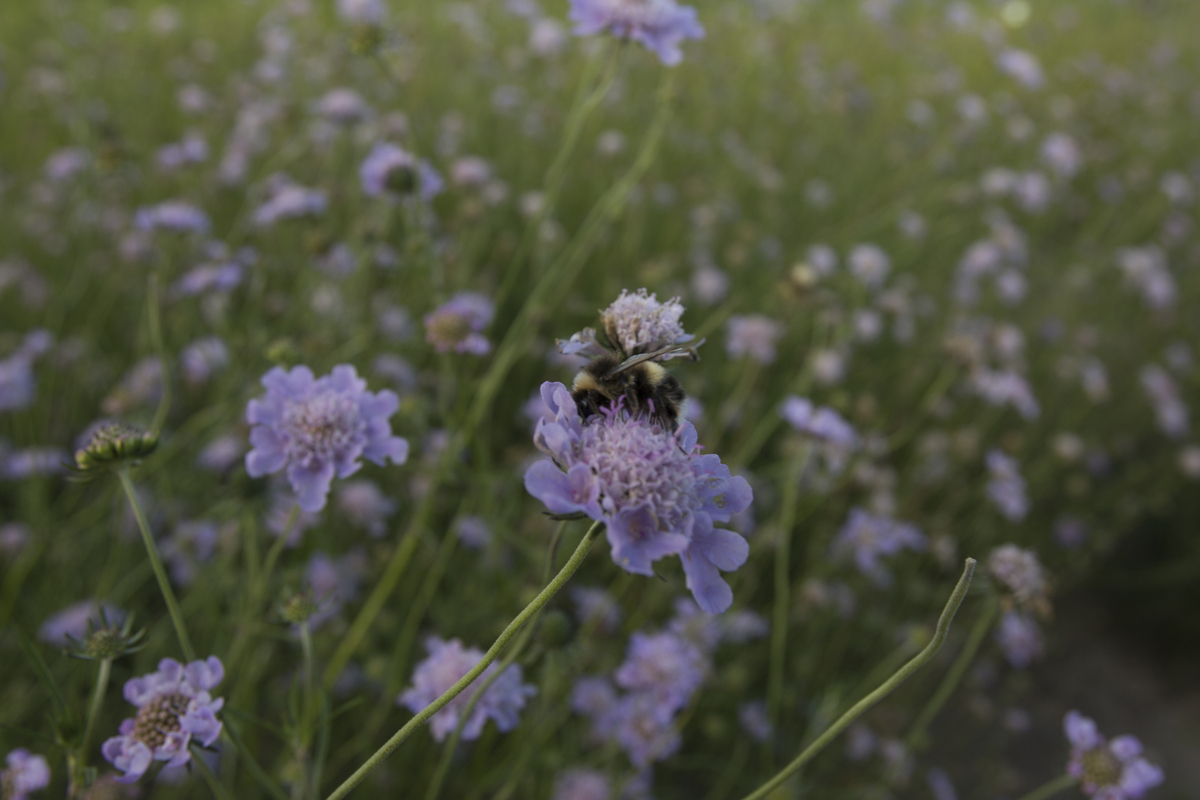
[319,428]
[447,663]
[655,492]
[113,444]
[638,323]
[753,335]
[1108,770]
[457,324]
[867,537]
[25,773]
[660,25]
[1020,572]
[173,706]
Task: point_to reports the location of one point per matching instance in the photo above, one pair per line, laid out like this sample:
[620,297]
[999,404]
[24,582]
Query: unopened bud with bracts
[299,607]
[115,444]
[107,641]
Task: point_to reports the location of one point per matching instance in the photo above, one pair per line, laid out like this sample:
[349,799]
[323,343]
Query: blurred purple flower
[655,492]
[660,25]
[319,428]
[821,423]
[595,606]
[582,784]
[72,621]
[1107,770]
[449,661]
[173,706]
[1006,487]
[1169,409]
[868,537]
[366,506]
[752,717]
[391,168]
[26,773]
[173,215]
[287,199]
[1020,638]
[870,264]
[664,665]
[202,358]
[754,335]
[473,531]
[457,324]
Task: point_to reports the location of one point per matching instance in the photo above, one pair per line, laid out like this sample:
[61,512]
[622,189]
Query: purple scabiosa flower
[754,721]
[319,428]
[582,784]
[17,383]
[473,531]
[867,537]
[202,358]
[219,277]
[1107,770]
[65,163]
[32,462]
[659,25]
[1006,487]
[638,323]
[1062,155]
[72,621]
[870,264]
[1146,269]
[1189,461]
[343,106]
[664,665]
[26,773]
[287,199]
[366,506]
[655,492]
[173,215]
[448,661]
[191,150]
[191,543]
[940,785]
[1022,66]
[391,168]
[595,697]
[333,582]
[221,453]
[643,728]
[596,607]
[457,324]
[1020,572]
[173,706]
[705,631]
[362,12]
[753,335]
[1006,387]
[1070,532]
[1020,638]
[821,423]
[709,285]
[13,538]
[1170,411]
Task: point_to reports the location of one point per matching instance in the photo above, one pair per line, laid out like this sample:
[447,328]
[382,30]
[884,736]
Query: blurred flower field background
[280,289]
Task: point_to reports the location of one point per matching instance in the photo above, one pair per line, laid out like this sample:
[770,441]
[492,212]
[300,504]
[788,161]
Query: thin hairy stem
[164,585]
[886,688]
[491,655]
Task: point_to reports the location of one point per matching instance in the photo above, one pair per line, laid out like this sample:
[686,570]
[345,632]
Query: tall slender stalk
[843,722]
[164,584]
[102,675]
[491,655]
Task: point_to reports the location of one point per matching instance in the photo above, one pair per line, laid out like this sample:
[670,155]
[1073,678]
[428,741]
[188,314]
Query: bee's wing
[670,351]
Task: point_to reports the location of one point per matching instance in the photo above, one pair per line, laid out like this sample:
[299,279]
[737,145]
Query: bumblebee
[646,386]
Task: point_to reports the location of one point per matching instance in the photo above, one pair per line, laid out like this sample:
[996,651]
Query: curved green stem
[164,584]
[491,655]
[957,670]
[843,722]
[1052,788]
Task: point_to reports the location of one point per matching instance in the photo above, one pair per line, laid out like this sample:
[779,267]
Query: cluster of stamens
[159,718]
[322,426]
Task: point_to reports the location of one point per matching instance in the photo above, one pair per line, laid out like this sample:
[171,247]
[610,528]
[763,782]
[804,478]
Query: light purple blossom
[473,531]
[203,358]
[449,661]
[1006,387]
[1146,268]
[333,582]
[1169,409]
[596,607]
[643,728]
[26,773]
[191,150]
[1022,66]
[343,106]
[362,12]
[366,506]
[1020,572]
[219,277]
[655,492]
[870,264]
[458,323]
[32,462]
[173,215]
[753,335]
[638,323]
[821,423]
[660,25]
[72,621]
[1006,487]
[221,453]
[1020,638]
[582,784]
[940,785]
[65,163]
[319,428]
[391,168]
[1107,770]
[869,537]
[753,718]
[664,665]
[287,199]
[174,705]
[1062,155]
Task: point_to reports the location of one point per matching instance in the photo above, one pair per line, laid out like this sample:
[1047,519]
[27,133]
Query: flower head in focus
[174,705]
[655,492]
[1107,770]
[458,323]
[319,428]
[25,773]
[449,661]
[660,25]
[635,323]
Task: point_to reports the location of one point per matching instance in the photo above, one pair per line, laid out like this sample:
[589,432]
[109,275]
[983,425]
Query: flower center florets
[1101,768]
[640,465]
[159,718]
[321,426]
[449,328]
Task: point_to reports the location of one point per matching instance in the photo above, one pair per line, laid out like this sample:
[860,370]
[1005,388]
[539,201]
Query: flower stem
[164,585]
[493,652]
[218,790]
[779,623]
[982,625]
[918,661]
[102,675]
[1052,788]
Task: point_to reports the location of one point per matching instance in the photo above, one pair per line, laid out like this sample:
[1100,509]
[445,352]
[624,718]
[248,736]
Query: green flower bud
[115,444]
[107,642]
[299,608]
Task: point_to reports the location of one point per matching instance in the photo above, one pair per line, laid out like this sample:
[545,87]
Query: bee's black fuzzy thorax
[647,388]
